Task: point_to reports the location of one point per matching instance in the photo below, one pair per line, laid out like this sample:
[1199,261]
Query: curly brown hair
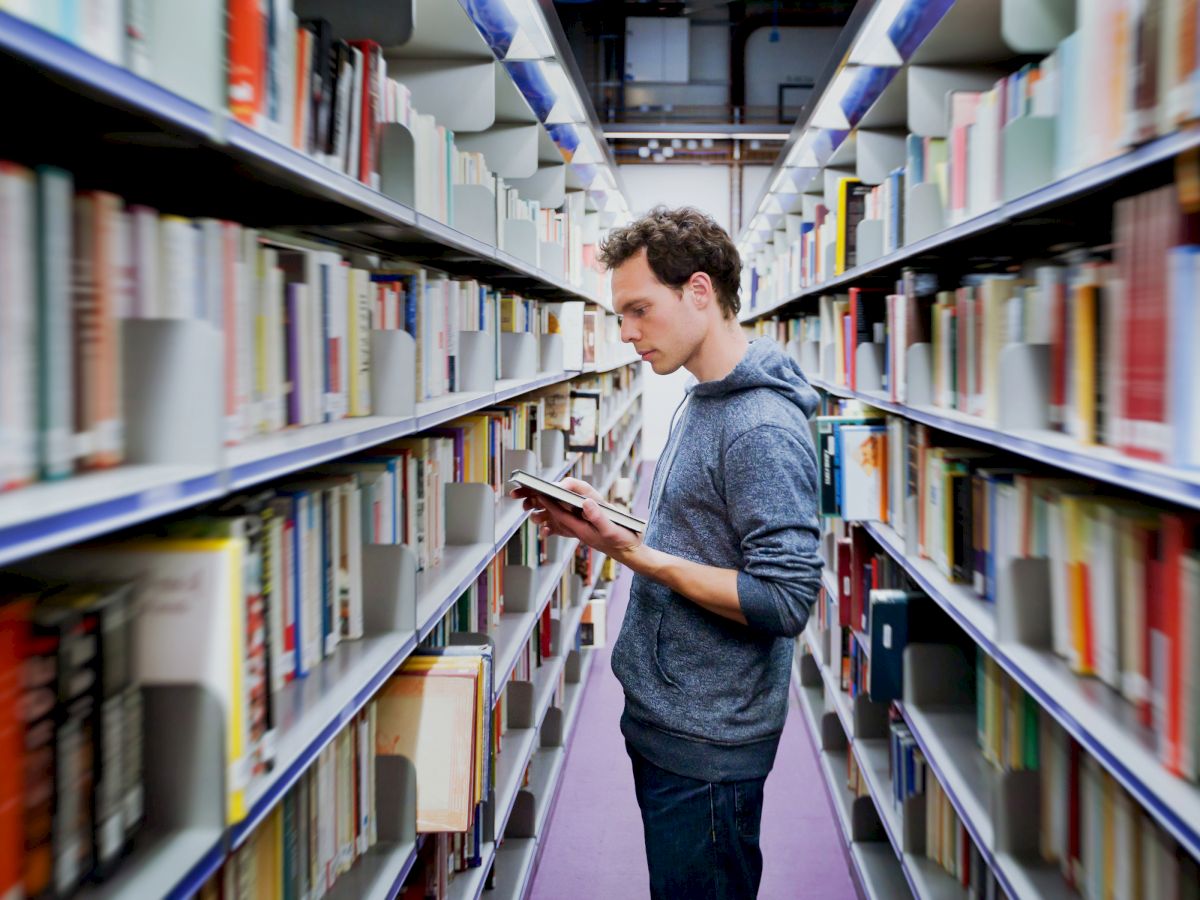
[679,243]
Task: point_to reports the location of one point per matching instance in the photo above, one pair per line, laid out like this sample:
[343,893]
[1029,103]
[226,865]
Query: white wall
[798,56]
[707,189]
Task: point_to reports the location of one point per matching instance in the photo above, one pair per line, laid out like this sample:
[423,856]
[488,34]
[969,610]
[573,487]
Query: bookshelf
[166,140]
[901,77]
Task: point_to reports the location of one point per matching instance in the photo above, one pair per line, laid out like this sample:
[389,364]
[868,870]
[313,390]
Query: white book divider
[470,513]
[554,449]
[890,110]
[520,587]
[832,176]
[1023,607]
[388,23]
[924,211]
[520,238]
[1024,402]
[828,370]
[576,588]
[969,32]
[868,245]
[389,576]
[551,255]
[393,374]
[929,88]
[526,461]
[518,355]
[398,163]
[182,48]
[879,152]
[868,367]
[808,206]
[475,212]
[510,149]
[171,416]
[830,260]
[548,185]
[1029,147]
[551,353]
[447,66]
[1036,26]
[918,376]
[476,361]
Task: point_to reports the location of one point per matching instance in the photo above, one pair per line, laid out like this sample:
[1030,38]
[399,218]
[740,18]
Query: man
[728,569]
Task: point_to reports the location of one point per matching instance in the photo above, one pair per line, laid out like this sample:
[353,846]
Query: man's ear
[703,292]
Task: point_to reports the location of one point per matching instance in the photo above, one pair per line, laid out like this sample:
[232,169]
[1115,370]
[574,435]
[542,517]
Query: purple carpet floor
[594,845]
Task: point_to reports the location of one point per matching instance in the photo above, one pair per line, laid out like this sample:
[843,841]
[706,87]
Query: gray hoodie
[736,488]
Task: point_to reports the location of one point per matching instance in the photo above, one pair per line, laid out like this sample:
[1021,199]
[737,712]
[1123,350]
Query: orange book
[247,60]
[303,82]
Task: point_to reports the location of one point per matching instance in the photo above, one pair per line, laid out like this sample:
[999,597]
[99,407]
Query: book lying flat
[550,489]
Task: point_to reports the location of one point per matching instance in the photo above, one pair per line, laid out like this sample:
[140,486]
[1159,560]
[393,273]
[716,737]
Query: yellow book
[1075,520]
[1084,351]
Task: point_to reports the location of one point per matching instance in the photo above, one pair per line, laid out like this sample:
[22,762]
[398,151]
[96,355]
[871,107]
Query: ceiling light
[644,152]
[692,144]
[676,143]
[668,152]
[706,143]
[653,144]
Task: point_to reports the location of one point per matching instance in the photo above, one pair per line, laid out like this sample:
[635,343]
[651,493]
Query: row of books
[944,839]
[1123,576]
[1142,63]
[324,824]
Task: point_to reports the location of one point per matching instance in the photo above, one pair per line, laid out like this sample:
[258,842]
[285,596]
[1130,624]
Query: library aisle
[594,845]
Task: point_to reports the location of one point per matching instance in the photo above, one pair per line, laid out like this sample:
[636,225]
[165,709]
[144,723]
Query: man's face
[663,327]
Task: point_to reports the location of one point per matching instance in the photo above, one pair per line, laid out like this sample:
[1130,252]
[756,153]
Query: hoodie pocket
[658,651]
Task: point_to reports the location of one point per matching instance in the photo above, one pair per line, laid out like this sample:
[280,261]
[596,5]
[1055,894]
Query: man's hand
[592,527]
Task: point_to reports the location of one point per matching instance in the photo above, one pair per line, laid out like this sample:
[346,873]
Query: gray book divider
[1023,609]
[870,718]
[520,585]
[810,671]
[831,177]
[475,212]
[576,589]
[879,152]
[924,212]
[1030,149]
[554,448]
[476,361]
[938,675]
[523,817]
[833,738]
[548,185]
[171,416]
[865,824]
[551,353]
[868,245]
[912,831]
[518,355]
[1017,807]
[459,93]
[556,636]
[551,255]
[526,461]
[396,799]
[521,240]
[552,728]
[918,377]
[828,370]
[510,149]
[1036,26]
[393,374]
[573,667]
[831,258]
[398,163]
[470,513]
[929,88]
[390,588]
[1025,376]
[969,32]
[184,762]
[808,354]
[868,366]
[519,697]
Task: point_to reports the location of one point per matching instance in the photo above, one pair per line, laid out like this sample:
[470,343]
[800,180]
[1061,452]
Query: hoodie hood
[764,365]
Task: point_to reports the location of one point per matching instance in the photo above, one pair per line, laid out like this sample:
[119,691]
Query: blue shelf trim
[199,874]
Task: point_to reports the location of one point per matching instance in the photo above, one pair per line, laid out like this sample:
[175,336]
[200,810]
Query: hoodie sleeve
[771,498]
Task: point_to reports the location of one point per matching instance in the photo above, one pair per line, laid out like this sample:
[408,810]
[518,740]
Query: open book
[550,489]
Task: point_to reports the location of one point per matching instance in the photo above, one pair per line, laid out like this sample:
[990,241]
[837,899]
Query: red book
[545,633]
[14,632]
[247,59]
[843,581]
[368,160]
[860,550]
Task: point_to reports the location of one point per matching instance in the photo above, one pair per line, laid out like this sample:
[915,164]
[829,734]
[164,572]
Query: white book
[342,112]
[353,538]
[18,327]
[341,320]
[55,357]
[276,363]
[101,29]
[1060,617]
[1104,575]
[177,266]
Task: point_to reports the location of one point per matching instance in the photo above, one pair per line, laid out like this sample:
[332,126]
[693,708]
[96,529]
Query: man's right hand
[582,488]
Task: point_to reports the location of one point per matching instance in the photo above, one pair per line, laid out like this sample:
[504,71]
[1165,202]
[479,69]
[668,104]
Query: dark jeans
[701,837]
